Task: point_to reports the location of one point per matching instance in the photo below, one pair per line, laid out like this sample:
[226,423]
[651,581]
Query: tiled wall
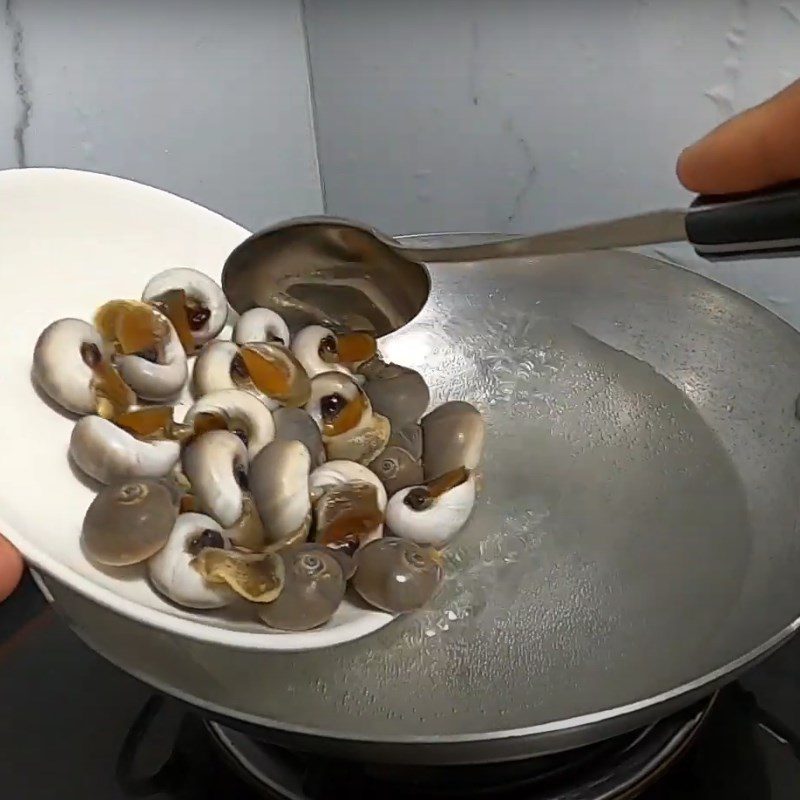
[207,99]
[501,115]
[524,115]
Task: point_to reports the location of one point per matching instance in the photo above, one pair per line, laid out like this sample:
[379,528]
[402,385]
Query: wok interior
[636,529]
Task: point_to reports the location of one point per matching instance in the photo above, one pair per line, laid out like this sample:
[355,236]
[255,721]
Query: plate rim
[368,622]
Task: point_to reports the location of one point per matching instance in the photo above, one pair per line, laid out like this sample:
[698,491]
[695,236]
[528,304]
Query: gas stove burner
[617,769]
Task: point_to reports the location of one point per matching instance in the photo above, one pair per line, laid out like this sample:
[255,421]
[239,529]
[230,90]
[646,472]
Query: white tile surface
[207,99]
[526,114]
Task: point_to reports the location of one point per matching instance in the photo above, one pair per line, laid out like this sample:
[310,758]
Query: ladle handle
[652,227]
[758,224]
[753,225]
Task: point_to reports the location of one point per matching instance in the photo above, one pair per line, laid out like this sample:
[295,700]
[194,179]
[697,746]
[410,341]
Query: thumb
[758,148]
[10,568]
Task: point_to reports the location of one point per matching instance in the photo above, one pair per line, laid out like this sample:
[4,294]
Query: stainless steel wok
[634,546]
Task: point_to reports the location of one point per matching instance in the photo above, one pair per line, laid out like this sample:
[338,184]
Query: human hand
[10,568]
[758,148]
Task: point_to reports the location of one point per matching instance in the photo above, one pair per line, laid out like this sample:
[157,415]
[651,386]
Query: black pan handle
[758,224]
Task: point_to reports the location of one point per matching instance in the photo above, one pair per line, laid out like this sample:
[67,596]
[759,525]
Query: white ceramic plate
[69,241]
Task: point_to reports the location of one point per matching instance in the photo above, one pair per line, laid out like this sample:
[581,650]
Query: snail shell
[313,589]
[396,575]
[216,467]
[72,367]
[128,522]
[453,435]
[316,349]
[349,502]
[135,329]
[237,411]
[261,325]
[108,453]
[279,484]
[205,308]
[212,368]
[434,512]
[171,571]
[397,469]
[399,393]
[350,430]
[296,424]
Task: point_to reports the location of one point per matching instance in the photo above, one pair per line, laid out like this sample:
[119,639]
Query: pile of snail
[305,463]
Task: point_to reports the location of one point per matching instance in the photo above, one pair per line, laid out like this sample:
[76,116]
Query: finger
[11,567]
[755,149]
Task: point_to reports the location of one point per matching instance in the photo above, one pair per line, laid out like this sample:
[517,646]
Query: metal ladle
[342,274]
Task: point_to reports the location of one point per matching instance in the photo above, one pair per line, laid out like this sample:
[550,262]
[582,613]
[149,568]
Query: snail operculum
[177,308]
[152,422]
[258,577]
[132,327]
[171,571]
[349,513]
[273,370]
[351,349]
[420,498]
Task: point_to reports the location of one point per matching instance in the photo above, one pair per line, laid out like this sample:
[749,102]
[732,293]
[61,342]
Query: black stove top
[73,727]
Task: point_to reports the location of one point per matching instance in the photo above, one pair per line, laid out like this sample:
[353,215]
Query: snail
[320,350]
[409,439]
[296,424]
[150,357]
[171,571]
[349,503]
[193,303]
[109,453]
[261,325]
[399,393]
[213,368]
[236,411]
[350,430]
[72,367]
[279,484]
[452,436]
[216,466]
[258,577]
[265,369]
[434,512]
[230,515]
[396,575]
[313,589]
[128,522]
[397,468]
